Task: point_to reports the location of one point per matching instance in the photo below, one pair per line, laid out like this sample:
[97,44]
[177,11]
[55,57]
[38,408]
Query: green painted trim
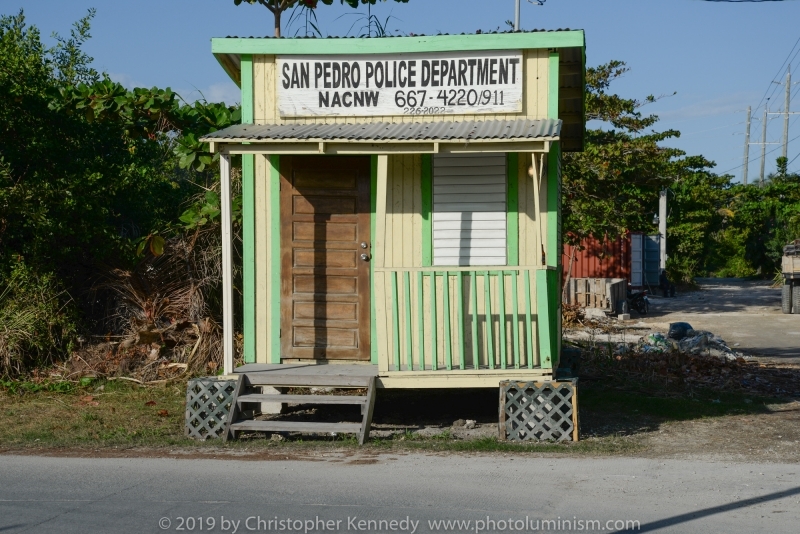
[248,221]
[554,247]
[373,205]
[420,322]
[528,323]
[473,286]
[512,208]
[501,293]
[275,257]
[395,323]
[489,319]
[460,297]
[553,84]
[553,202]
[448,338]
[247,89]
[407,297]
[546,288]
[434,326]
[399,45]
[426,183]
[515,318]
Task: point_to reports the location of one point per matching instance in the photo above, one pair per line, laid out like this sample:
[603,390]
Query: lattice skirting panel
[208,403]
[543,411]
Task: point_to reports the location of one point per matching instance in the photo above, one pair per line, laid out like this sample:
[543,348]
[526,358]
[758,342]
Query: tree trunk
[278,12]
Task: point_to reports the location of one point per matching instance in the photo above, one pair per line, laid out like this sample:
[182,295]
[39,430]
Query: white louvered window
[469,209]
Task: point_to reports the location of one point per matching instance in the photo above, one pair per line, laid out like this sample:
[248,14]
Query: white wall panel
[469,209]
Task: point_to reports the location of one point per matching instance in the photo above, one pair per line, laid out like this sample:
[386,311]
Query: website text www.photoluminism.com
[406,525]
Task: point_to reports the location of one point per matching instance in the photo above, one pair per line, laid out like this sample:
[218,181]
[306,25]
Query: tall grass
[37,325]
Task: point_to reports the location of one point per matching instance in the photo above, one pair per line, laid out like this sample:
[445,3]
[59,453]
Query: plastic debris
[679,331]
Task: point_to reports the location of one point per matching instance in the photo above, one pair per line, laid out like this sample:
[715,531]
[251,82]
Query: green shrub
[37,321]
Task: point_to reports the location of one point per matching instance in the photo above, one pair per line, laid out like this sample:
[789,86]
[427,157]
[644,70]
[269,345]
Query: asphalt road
[91,495]
[746,314]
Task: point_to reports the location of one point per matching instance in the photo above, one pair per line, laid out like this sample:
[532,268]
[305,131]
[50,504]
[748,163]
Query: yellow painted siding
[534,105]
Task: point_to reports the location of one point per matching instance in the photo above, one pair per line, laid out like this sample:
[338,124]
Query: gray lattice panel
[542,411]
[208,403]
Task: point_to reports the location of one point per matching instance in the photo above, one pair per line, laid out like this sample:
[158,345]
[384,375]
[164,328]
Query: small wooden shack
[401,203]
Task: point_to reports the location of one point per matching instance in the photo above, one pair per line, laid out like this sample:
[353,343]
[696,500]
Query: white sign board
[434,83]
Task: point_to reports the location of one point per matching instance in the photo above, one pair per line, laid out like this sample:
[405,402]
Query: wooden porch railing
[457,318]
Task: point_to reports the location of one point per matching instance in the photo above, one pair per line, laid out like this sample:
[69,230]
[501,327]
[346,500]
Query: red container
[599,259]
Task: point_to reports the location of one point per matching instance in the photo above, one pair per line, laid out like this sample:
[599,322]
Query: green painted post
[514,276]
[512,203]
[407,296]
[448,338]
[460,296]
[545,283]
[489,320]
[426,183]
[275,257]
[434,326]
[501,313]
[248,220]
[395,322]
[528,323]
[473,284]
[552,87]
[421,321]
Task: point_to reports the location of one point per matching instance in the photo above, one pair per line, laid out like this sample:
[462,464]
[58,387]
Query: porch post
[227,263]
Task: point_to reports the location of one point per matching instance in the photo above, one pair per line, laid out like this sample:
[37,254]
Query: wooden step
[294,426]
[331,381]
[303,399]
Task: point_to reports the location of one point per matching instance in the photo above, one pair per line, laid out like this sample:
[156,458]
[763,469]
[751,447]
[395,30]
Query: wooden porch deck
[291,374]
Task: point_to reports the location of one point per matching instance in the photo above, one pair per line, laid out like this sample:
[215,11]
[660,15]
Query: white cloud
[126,80]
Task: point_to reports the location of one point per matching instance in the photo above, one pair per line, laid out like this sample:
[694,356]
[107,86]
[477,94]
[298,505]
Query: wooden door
[325,230]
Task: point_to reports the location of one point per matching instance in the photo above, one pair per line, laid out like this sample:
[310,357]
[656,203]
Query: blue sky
[720,57]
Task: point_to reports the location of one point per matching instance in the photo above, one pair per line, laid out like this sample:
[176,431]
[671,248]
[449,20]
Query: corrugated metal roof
[389,36]
[384,131]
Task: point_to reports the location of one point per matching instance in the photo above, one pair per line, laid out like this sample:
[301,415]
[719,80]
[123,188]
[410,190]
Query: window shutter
[469,209]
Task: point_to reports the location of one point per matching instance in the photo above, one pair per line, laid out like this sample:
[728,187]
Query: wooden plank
[515,316]
[474,305]
[295,426]
[407,308]
[274,314]
[426,208]
[234,413]
[366,423]
[501,294]
[279,378]
[528,323]
[448,340]
[262,302]
[303,399]
[434,324]
[227,263]
[489,320]
[383,327]
[420,322]
[395,323]
[460,318]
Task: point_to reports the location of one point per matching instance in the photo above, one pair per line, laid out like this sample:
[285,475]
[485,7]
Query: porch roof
[380,137]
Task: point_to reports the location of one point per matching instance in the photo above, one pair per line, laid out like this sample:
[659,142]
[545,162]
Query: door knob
[365,257]
[364,244]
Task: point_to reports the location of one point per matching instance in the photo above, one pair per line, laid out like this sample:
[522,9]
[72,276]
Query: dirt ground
[736,413]
[745,313]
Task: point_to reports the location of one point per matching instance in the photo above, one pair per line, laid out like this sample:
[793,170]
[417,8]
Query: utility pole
[786,112]
[662,229]
[516,16]
[746,148]
[763,144]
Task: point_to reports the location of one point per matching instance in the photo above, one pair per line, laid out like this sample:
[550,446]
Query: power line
[770,152]
[777,74]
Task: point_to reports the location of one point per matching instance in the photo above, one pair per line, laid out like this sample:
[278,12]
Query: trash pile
[684,339]
[687,358]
